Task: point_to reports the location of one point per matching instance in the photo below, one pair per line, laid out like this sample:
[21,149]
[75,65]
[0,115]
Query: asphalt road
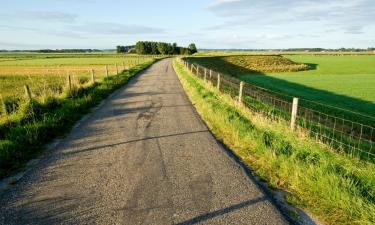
[143,157]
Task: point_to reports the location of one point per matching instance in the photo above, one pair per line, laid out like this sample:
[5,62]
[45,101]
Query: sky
[219,24]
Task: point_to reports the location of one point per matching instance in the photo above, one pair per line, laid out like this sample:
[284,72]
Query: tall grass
[51,78]
[335,188]
[37,121]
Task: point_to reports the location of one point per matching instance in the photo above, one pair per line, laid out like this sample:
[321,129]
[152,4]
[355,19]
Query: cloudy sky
[26,24]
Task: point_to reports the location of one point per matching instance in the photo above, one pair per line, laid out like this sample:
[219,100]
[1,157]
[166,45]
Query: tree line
[124,49]
[157,48]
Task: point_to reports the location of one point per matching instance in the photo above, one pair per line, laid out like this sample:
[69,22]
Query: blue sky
[26,24]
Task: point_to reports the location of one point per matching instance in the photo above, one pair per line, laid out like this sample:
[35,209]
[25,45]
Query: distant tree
[162,48]
[154,48]
[170,49]
[118,49]
[123,49]
[193,49]
[176,49]
[157,48]
[148,47]
[140,47]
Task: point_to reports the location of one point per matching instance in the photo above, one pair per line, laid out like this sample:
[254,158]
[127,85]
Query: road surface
[143,157]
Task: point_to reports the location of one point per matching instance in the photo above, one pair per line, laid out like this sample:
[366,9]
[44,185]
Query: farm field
[48,72]
[346,81]
[275,52]
[55,104]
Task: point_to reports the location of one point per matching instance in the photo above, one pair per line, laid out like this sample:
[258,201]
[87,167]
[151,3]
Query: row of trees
[162,48]
[124,49]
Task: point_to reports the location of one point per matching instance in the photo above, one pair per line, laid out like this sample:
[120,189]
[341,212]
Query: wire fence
[341,134]
[20,87]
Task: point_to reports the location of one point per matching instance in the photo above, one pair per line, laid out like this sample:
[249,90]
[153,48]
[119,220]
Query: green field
[344,81]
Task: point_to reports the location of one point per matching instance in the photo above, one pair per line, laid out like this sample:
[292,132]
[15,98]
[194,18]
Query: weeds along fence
[343,135]
[38,86]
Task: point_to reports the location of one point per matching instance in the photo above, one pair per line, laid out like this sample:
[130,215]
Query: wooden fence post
[210,74]
[3,106]
[27,92]
[240,92]
[197,70]
[123,66]
[116,69]
[205,74]
[294,114]
[69,82]
[106,71]
[92,75]
[218,81]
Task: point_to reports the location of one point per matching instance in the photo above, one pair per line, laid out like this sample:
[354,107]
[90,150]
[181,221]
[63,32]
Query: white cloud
[107,28]
[49,16]
[343,13]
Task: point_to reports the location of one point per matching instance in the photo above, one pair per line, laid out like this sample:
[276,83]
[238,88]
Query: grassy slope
[23,134]
[335,188]
[243,64]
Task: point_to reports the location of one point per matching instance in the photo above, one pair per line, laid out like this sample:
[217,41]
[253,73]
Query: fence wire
[342,134]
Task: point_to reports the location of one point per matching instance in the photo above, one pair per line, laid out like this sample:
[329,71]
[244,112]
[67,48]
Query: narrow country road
[143,157]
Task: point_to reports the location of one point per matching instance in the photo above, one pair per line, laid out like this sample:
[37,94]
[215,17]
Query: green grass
[346,81]
[24,132]
[335,188]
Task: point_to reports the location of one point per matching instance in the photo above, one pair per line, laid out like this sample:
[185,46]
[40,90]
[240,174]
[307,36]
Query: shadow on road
[223,211]
[131,141]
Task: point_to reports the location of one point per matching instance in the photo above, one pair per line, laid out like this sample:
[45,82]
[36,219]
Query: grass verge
[335,188]
[24,133]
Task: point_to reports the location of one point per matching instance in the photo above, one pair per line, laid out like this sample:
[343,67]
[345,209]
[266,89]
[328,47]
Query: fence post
[123,66]
[218,81]
[27,92]
[92,75]
[3,106]
[197,70]
[116,69]
[240,92]
[205,74]
[69,82]
[294,114]
[106,71]
[210,74]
